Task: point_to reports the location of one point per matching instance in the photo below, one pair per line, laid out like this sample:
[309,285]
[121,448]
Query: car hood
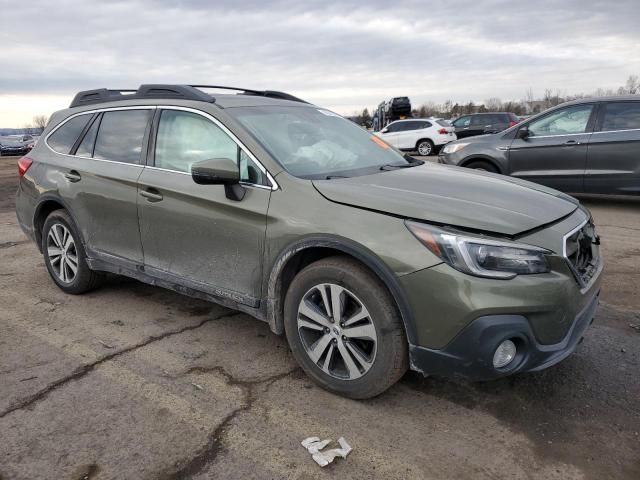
[11,143]
[453,196]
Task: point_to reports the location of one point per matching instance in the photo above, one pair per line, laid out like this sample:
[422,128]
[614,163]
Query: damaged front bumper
[470,354]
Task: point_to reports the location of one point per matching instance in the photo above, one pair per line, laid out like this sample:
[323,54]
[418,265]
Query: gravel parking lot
[132,381]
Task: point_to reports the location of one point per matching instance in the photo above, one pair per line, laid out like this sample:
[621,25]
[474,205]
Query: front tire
[344,329]
[64,255]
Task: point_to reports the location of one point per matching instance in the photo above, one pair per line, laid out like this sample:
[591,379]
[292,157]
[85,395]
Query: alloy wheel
[424,149]
[62,253]
[337,331]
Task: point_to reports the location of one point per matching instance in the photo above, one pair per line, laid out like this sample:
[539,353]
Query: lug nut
[335,340]
[341,325]
[344,338]
[326,330]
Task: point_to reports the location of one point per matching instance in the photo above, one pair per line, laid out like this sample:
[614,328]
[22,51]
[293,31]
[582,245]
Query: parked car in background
[583,146]
[483,123]
[10,145]
[423,135]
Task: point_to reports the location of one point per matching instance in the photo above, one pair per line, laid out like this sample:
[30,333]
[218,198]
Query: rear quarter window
[65,136]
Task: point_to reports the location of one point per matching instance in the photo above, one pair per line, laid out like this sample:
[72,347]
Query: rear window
[120,136]
[63,139]
[621,116]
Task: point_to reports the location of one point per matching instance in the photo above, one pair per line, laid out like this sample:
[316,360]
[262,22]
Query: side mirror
[219,171]
[523,133]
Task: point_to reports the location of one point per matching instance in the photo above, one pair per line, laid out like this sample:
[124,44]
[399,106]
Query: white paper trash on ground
[314,446]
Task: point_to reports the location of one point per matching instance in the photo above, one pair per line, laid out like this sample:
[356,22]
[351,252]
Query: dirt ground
[136,382]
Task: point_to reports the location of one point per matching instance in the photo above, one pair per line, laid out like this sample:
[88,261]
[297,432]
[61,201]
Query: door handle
[572,142]
[73,176]
[151,194]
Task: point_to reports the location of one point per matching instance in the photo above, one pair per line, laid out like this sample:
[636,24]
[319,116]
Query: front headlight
[453,147]
[481,256]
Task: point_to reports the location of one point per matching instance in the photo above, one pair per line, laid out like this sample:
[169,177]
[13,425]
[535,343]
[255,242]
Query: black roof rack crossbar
[261,93]
[184,92]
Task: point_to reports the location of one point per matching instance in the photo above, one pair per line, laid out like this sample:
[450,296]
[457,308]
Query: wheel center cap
[336,331]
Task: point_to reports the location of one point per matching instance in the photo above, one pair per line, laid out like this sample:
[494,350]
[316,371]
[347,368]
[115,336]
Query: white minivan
[423,135]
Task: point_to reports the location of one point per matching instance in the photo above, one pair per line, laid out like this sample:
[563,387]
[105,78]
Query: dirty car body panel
[154,223]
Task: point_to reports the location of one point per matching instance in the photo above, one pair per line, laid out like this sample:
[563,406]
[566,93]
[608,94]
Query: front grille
[582,252]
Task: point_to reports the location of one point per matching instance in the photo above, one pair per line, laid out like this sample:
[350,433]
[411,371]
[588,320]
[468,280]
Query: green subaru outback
[370,261]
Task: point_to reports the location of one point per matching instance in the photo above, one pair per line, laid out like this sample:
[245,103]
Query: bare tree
[493,104]
[633,85]
[40,121]
[446,108]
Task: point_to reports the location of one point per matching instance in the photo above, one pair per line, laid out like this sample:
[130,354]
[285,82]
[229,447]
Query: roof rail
[185,92]
[261,93]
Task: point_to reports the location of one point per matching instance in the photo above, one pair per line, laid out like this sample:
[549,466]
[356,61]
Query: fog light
[505,353]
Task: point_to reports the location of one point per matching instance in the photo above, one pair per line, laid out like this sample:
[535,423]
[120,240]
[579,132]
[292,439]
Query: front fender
[274,307]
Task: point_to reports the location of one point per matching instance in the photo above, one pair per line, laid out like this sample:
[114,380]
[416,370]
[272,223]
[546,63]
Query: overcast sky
[342,55]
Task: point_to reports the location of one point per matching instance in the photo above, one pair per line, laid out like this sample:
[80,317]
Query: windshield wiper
[393,166]
[331,177]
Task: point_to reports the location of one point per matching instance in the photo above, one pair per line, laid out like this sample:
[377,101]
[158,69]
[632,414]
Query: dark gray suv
[483,123]
[585,146]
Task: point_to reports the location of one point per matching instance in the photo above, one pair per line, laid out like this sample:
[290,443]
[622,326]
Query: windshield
[314,143]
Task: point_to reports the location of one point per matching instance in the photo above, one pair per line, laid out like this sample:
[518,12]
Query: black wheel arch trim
[42,200]
[359,252]
[481,158]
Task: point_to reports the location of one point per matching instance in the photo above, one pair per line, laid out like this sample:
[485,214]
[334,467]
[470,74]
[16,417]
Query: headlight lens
[479,256]
[453,147]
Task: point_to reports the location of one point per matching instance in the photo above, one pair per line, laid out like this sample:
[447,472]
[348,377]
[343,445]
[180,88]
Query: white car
[424,135]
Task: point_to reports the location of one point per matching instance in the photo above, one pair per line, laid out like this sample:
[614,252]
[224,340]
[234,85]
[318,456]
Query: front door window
[566,121]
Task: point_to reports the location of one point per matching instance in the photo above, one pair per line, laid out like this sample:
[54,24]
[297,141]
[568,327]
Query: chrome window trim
[622,130]
[274,185]
[244,184]
[559,135]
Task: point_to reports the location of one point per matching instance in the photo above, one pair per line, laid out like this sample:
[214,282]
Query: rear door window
[621,116]
[406,126]
[480,120]
[120,136]
[65,137]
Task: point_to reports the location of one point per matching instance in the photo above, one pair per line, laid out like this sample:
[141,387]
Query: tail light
[443,131]
[23,165]
[512,123]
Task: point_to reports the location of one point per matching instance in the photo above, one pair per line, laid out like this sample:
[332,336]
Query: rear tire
[358,352]
[64,255]
[483,166]
[425,147]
